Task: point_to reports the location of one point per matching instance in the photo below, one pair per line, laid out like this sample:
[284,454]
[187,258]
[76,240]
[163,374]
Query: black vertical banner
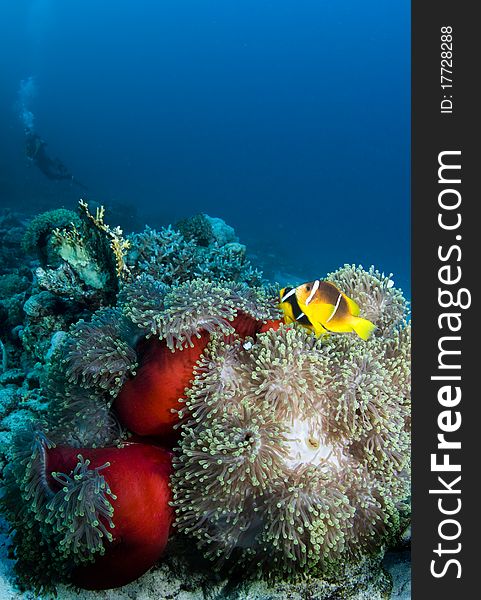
[446,166]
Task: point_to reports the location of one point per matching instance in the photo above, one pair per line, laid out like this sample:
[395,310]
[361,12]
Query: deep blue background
[289,119]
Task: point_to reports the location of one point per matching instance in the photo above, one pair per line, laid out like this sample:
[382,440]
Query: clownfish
[322,308]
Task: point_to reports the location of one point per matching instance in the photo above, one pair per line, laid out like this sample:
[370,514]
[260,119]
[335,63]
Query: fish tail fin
[363,327]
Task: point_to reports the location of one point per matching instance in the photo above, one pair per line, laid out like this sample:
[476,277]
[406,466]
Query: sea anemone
[99,354]
[294,451]
[147,403]
[380,302]
[194,307]
[179,324]
[203,306]
[87,509]
[142,302]
[80,418]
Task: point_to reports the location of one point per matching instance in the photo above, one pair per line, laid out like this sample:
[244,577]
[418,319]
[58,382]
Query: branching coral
[173,258]
[295,452]
[228,263]
[165,255]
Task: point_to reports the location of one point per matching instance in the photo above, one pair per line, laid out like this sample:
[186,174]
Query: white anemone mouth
[305,446]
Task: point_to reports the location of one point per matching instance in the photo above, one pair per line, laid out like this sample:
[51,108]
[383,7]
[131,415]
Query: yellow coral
[118,244]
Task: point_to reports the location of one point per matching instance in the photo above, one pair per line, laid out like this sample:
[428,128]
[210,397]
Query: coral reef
[198,229]
[81,257]
[118,245]
[131,361]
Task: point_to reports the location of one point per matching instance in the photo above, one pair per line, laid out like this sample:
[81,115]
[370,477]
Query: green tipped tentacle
[81,511]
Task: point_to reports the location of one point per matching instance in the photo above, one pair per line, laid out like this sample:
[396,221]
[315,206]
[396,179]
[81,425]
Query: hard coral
[198,229]
[228,263]
[12,230]
[118,245]
[39,230]
[89,260]
[204,247]
[294,452]
[72,248]
[165,255]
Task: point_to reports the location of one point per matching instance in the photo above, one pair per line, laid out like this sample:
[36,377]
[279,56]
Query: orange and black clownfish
[322,308]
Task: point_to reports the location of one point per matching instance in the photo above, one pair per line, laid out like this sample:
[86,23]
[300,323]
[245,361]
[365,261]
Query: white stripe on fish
[315,287]
[335,308]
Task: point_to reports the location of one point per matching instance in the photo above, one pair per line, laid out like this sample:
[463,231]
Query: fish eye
[308,288]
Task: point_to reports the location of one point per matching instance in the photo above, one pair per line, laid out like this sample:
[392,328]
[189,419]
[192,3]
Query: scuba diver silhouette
[53,168]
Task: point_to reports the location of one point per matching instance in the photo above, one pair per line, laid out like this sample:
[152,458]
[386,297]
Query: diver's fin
[363,327]
[353,307]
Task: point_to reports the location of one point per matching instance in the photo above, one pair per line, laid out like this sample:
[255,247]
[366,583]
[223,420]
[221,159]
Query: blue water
[288,119]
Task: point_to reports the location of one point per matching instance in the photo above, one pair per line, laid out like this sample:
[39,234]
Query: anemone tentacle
[99,354]
[81,510]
